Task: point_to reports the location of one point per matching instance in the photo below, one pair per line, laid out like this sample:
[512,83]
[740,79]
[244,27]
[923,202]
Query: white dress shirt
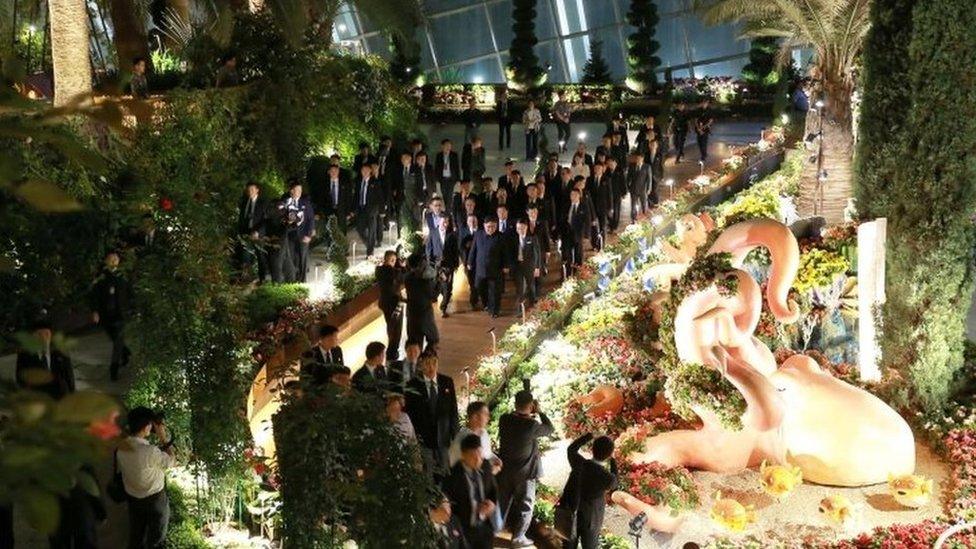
[143,467]
[454,453]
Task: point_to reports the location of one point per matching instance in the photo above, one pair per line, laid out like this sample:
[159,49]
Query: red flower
[260,468]
[105,428]
[165,204]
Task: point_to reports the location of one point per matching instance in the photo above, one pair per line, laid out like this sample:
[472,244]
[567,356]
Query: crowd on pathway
[494,231]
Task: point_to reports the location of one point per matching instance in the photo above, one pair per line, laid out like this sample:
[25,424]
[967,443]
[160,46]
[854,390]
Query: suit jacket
[541,234]
[601,193]
[452,160]
[639,179]
[575,229]
[254,223]
[453,535]
[458,489]
[518,445]
[421,287]
[531,256]
[390,281]
[358,162]
[432,224]
[436,421]
[62,373]
[425,182]
[434,247]
[374,198]
[307,226]
[366,382]
[457,207]
[317,365]
[401,373]
[586,490]
[400,182]
[618,184]
[472,161]
[111,297]
[329,204]
[465,240]
[487,255]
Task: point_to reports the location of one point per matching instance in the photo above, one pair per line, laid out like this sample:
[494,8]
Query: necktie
[572,212]
[380,372]
[521,247]
[502,226]
[335,192]
[250,211]
[476,495]
[362,194]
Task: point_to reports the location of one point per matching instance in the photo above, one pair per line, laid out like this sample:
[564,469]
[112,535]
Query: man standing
[424,181]
[532,121]
[389,278]
[433,409]
[518,436]
[143,467]
[573,232]
[300,228]
[401,183]
[587,487]
[478,416]
[528,264]
[369,202]
[363,158]
[601,195]
[473,494]
[432,220]
[421,286]
[110,303]
[679,129]
[473,160]
[561,112]
[138,84]
[472,120]
[402,371]
[250,229]
[618,189]
[334,201]
[638,183]
[44,368]
[447,168]
[443,253]
[318,362]
[486,260]
[504,119]
[539,230]
[466,234]
[371,378]
[703,129]
[458,203]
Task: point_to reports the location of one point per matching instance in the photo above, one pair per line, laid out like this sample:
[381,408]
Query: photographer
[518,436]
[143,468]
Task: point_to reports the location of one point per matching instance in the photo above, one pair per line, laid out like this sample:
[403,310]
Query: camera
[159,417]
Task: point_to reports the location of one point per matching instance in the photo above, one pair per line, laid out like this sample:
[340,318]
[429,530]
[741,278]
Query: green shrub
[184,527]
[268,300]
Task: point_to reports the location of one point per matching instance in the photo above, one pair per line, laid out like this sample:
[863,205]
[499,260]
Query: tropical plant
[834,30]
[761,71]
[69,50]
[596,70]
[642,47]
[523,71]
[405,61]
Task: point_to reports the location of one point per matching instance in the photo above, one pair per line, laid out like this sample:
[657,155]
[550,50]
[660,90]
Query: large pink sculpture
[837,434]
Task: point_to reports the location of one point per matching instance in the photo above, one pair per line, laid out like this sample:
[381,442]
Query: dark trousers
[78,518]
[6,527]
[614,220]
[472,287]
[115,330]
[445,286]
[491,288]
[638,202]
[599,233]
[703,146]
[516,499]
[148,521]
[679,145]
[393,315]
[282,264]
[447,187]
[394,215]
[572,253]
[366,227]
[525,285]
[299,256]
[421,325]
[562,132]
[479,536]
[504,134]
[531,144]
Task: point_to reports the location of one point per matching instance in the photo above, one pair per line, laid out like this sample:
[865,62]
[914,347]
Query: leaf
[19,456]
[41,510]
[86,482]
[46,196]
[84,407]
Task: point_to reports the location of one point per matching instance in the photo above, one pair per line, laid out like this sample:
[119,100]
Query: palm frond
[400,17]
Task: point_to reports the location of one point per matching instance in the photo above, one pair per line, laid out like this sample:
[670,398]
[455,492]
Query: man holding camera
[143,467]
[518,435]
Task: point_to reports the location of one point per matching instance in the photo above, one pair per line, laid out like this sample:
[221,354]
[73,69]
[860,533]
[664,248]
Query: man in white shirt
[478,417]
[143,467]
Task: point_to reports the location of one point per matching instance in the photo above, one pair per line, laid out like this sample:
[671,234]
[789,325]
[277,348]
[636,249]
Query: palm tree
[834,30]
[69,50]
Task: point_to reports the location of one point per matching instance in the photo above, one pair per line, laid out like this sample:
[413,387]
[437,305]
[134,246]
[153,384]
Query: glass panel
[670,35]
[501,21]
[379,45]
[731,67]
[599,14]
[548,53]
[483,71]
[613,53]
[345,25]
[435,6]
[545,22]
[460,36]
[709,42]
[577,51]
[569,16]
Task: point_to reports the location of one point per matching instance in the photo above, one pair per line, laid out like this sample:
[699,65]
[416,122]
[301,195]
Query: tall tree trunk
[130,33]
[826,184]
[70,50]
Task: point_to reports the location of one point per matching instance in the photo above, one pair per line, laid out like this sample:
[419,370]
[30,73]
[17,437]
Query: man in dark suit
[365,157]
[386,157]
[401,182]
[420,283]
[333,199]
[466,234]
[317,362]
[425,182]
[407,368]
[389,278]
[369,205]
[601,196]
[443,253]
[450,533]
[459,209]
[638,184]
[486,259]
[473,494]
[587,487]
[518,437]
[435,210]
[316,176]
[372,378]
[618,189]
[575,225]
[505,180]
[563,187]
[527,263]
[447,168]
[44,368]
[251,211]
[433,410]
[517,195]
[110,301]
[538,229]
[299,228]
[473,160]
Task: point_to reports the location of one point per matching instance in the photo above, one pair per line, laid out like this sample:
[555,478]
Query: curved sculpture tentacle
[743,237]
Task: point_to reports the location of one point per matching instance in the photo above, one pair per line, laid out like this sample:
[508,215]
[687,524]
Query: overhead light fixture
[581,136]
[342,27]
[478,79]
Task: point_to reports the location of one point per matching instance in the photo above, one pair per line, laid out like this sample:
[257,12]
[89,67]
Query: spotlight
[478,79]
[785,119]
[342,27]
[32,29]
[819,104]
[562,143]
[669,182]
[657,220]
[581,136]
[410,69]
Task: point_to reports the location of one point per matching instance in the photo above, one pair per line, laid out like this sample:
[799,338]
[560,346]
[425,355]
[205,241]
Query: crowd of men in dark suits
[484,491]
